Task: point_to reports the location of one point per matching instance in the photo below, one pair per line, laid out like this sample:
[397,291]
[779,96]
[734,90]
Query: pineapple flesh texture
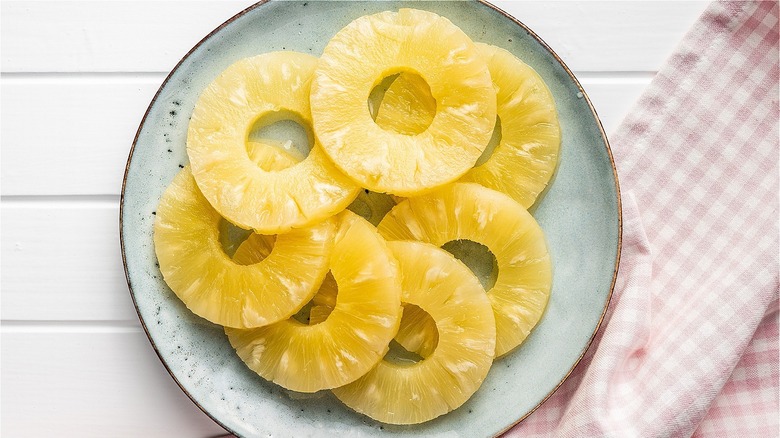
[403,393]
[374,47]
[270,155]
[355,335]
[468,211]
[257,247]
[200,273]
[524,161]
[262,88]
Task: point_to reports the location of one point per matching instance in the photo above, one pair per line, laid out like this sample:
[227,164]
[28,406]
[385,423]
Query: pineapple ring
[373,47]
[469,211]
[435,281]
[196,268]
[356,334]
[251,89]
[524,161]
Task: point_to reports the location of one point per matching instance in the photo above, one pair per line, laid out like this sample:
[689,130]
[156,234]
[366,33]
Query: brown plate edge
[483,2]
[122,203]
[619,205]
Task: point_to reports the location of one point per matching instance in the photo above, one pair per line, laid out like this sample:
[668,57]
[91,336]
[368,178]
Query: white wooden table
[76,79]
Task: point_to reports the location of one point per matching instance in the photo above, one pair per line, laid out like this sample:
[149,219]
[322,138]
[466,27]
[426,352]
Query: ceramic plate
[580,215]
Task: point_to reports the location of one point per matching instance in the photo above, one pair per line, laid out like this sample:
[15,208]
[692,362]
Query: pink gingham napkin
[690,343]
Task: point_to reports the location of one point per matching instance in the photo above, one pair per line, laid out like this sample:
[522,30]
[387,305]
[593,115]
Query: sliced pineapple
[439,284]
[264,87]
[356,334]
[373,47]
[468,211]
[200,273]
[524,160]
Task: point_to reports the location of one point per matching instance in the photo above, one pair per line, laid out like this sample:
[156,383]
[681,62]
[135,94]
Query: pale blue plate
[580,215]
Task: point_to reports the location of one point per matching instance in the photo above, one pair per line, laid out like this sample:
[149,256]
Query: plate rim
[485,3]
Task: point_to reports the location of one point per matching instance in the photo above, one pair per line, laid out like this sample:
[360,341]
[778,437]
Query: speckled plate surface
[580,215]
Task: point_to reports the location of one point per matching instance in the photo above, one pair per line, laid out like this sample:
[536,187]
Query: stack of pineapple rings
[364,283]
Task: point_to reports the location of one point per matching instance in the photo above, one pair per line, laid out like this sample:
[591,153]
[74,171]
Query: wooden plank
[71,135]
[70,132]
[614,97]
[153,35]
[106,36]
[61,261]
[583,33]
[104,382]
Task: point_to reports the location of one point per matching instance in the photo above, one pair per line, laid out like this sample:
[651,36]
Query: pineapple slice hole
[321,305]
[495,140]
[304,315]
[414,99]
[284,130]
[476,257]
[231,236]
[377,94]
[253,249]
[417,336]
[372,206]
[397,354]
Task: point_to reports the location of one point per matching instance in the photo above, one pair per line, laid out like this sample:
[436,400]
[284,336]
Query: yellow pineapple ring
[468,211]
[436,282]
[356,334]
[268,86]
[196,268]
[376,46]
[523,162]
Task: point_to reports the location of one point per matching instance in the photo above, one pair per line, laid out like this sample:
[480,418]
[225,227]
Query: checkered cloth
[690,343]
